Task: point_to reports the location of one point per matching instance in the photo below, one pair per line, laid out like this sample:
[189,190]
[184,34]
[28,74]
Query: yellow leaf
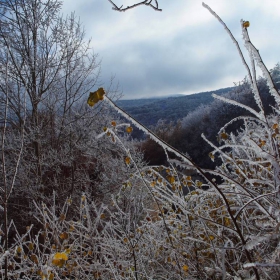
[125,240]
[198,183]
[63,235]
[226,221]
[102,216]
[153,183]
[95,96]
[59,259]
[211,237]
[246,24]
[185,268]
[262,142]
[127,160]
[34,258]
[67,251]
[113,123]
[31,246]
[171,179]
[275,126]
[211,156]
[129,129]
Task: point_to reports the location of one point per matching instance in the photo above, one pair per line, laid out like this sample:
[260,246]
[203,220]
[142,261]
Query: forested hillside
[150,111]
[78,199]
[207,118]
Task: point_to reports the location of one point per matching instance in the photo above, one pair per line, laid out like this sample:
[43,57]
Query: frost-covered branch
[255,55]
[252,81]
[148,132]
[233,102]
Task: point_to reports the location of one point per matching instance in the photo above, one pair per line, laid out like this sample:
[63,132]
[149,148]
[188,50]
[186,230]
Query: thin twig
[145,2]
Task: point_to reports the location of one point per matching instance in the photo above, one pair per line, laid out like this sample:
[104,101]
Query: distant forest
[180,121]
[149,111]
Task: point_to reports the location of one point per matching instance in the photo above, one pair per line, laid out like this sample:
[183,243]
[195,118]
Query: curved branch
[145,2]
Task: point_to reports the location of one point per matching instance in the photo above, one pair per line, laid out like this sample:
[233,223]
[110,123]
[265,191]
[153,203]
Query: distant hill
[149,111]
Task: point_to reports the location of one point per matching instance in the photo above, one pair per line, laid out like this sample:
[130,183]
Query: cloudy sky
[181,50]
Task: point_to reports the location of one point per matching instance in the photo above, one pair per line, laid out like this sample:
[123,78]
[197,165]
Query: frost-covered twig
[254,53]
[251,79]
[253,200]
[257,264]
[233,102]
[148,132]
[3,257]
[233,39]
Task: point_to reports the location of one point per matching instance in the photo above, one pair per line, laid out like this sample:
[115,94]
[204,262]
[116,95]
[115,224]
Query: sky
[181,50]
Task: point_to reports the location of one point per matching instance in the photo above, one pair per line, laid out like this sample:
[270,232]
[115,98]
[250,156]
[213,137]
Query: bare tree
[49,59]
[46,69]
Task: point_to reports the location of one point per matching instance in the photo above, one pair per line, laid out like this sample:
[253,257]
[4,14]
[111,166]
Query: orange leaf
[224,136]
[246,24]
[127,160]
[275,126]
[171,179]
[34,258]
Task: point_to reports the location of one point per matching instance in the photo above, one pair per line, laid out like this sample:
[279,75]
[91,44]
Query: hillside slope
[149,111]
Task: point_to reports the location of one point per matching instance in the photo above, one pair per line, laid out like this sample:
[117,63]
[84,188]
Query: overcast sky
[181,50]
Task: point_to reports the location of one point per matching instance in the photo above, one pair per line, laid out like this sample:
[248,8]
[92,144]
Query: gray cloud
[176,51]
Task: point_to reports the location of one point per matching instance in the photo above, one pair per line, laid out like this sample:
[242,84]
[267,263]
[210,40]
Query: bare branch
[150,3]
